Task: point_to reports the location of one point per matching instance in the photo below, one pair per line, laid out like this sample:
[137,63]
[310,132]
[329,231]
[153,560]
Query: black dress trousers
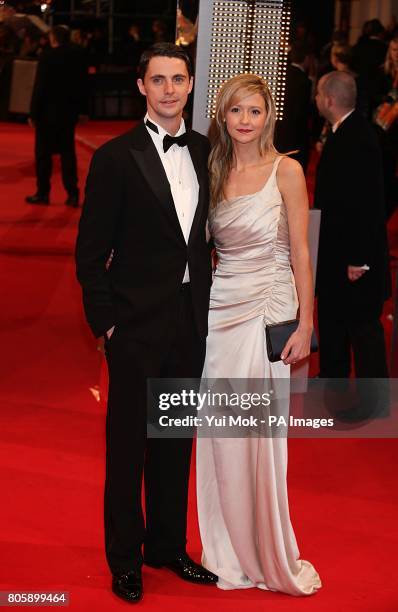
[52,138]
[165,463]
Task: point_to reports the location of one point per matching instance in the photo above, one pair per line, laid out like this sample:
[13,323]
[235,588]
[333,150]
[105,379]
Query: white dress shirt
[338,123]
[299,66]
[181,175]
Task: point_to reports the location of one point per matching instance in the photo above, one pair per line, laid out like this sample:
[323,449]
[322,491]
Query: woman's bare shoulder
[290,174]
[289,168]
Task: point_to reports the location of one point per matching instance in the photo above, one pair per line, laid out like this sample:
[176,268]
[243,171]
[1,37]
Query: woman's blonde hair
[221,156]
[389,67]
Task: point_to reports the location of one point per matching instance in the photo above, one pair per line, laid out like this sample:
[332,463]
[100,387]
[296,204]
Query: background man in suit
[352,276]
[147,201]
[293,131]
[59,96]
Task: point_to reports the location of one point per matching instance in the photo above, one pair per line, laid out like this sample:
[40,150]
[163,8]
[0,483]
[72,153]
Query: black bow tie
[168,140]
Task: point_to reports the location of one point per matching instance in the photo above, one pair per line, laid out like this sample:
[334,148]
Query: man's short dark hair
[375,27]
[163,49]
[61,34]
[343,54]
[298,53]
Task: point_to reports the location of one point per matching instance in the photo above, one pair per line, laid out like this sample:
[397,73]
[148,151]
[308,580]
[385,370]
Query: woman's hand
[298,346]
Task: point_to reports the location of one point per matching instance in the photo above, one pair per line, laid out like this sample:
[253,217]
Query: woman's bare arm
[291,183]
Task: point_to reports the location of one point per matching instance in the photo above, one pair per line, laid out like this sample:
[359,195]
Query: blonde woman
[258,221]
[386,119]
[387,88]
[391,64]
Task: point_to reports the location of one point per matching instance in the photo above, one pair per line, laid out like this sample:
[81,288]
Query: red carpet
[343,493]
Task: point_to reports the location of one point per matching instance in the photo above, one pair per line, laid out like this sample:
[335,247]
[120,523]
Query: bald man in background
[353,274]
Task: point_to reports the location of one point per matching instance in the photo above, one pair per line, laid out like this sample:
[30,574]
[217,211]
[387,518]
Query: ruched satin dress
[248,540]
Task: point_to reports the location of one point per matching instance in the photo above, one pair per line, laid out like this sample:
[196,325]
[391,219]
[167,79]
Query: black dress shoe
[186,569]
[72,200]
[37,198]
[128,586]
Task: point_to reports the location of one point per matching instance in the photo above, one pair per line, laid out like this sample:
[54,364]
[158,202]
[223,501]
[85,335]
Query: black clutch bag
[277,334]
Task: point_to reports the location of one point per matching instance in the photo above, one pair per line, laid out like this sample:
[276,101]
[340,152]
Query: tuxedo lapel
[147,159]
[327,153]
[336,141]
[328,143]
[201,174]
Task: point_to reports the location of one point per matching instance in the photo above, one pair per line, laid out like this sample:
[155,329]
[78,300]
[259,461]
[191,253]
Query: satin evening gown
[248,540]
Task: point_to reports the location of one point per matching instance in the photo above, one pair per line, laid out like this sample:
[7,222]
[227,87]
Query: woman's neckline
[251,195]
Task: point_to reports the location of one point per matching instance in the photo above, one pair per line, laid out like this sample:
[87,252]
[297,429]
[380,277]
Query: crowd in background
[373,60]
[24,34]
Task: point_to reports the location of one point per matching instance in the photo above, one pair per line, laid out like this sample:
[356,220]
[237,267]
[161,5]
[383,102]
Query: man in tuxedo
[352,275]
[60,95]
[146,202]
[292,132]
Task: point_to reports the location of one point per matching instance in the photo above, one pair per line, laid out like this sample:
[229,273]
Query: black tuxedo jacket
[349,191]
[129,210]
[60,92]
[292,132]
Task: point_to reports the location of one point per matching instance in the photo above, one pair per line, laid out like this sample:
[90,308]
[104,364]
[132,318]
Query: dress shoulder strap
[274,170]
[277,162]
[275,166]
